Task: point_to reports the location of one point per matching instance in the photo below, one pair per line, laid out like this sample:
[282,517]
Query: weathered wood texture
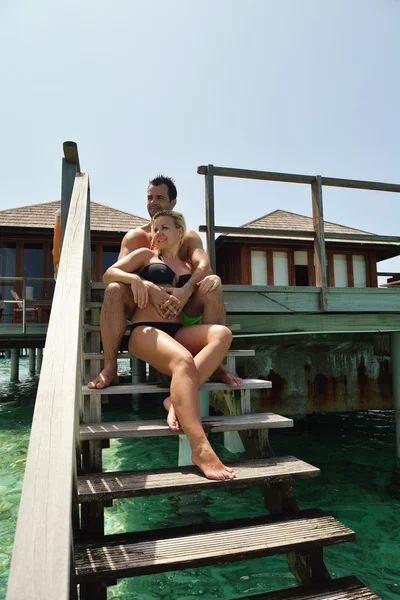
[296,178]
[40,566]
[319,242]
[158,427]
[210,217]
[346,588]
[128,484]
[151,388]
[300,324]
[182,548]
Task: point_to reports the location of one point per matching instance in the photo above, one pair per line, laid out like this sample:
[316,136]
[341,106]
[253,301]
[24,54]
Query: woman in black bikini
[168,346]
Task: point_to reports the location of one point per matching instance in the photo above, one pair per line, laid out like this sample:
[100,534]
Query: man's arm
[193,250]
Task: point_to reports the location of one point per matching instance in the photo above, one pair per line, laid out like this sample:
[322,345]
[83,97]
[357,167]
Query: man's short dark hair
[169,182]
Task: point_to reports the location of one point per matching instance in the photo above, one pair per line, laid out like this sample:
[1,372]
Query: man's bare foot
[172,419]
[221,374]
[208,462]
[103,380]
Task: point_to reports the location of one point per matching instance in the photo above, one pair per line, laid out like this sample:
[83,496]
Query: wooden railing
[42,563]
[318,234]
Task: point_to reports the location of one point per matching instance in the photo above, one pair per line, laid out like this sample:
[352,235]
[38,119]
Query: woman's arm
[124,269]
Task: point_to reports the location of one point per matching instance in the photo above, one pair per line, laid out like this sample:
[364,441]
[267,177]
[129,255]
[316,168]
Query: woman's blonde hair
[178,219]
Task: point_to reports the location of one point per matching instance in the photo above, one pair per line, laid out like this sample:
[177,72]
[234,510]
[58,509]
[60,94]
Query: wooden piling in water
[14,373]
[32,361]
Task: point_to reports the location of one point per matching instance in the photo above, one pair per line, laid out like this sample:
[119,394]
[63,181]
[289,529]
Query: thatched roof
[102,217]
[281,219]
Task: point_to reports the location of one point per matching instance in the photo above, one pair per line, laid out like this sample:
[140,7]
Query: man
[201,295]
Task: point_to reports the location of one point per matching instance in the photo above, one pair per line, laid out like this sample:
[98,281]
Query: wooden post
[70,167]
[39,359]
[14,365]
[395,353]
[319,241]
[210,217]
[32,361]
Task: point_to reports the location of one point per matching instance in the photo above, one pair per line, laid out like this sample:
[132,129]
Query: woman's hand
[139,291]
[209,284]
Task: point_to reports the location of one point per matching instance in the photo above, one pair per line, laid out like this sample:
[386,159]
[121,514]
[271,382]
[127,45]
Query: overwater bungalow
[321,371]
[26,255]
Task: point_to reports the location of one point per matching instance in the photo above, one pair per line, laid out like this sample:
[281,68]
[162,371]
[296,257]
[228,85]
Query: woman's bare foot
[172,419]
[208,462]
[221,374]
[103,380]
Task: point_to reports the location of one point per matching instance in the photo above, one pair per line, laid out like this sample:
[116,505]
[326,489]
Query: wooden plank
[44,518]
[299,324]
[158,427]
[210,217]
[251,174]
[345,588]
[152,388]
[319,241]
[360,184]
[296,178]
[129,484]
[132,554]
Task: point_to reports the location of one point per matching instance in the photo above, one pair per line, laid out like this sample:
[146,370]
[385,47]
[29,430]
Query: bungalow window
[340,270]
[269,267]
[259,274]
[281,270]
[301,267]
[359,270]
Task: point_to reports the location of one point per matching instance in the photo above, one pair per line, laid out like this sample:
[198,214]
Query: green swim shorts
[187,320]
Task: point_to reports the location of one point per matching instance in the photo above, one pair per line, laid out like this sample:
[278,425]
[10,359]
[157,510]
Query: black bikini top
[162,274]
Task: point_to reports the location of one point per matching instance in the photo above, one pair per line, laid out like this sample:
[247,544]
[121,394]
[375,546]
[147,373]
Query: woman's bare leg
[209,345]
[168,356]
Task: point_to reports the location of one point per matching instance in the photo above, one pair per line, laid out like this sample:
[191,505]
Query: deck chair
[31,314]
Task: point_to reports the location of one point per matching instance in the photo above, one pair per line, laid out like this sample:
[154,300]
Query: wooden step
[345,588]
[129,484]
[100,355]
[157,388]
[159,427]
[141,553]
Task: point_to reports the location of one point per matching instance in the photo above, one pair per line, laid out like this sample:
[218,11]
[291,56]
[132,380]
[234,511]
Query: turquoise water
[354,451]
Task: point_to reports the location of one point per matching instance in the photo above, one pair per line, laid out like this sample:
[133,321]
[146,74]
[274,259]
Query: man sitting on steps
[201,296]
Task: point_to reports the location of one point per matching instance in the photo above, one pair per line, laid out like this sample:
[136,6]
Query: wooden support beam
[210,217]
[319,241]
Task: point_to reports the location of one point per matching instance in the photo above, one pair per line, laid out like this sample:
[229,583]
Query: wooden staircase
[101,559]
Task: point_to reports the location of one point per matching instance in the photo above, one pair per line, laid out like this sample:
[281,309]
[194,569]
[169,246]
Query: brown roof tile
[281,219]
[102,217]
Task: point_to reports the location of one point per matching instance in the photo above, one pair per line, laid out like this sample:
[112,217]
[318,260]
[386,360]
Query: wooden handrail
[41,561]
[298,178]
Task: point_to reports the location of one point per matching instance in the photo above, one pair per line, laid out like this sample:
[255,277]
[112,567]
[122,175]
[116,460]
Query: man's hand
[139,291]
[167,305]
[208,284]
[182,294]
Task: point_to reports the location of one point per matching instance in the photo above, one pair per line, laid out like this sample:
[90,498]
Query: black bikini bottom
[170,328]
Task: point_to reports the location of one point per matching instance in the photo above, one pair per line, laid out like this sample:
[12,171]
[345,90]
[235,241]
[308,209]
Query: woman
[168,346]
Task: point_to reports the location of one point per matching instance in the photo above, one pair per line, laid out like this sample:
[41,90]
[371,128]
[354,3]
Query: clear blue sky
[162,86]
